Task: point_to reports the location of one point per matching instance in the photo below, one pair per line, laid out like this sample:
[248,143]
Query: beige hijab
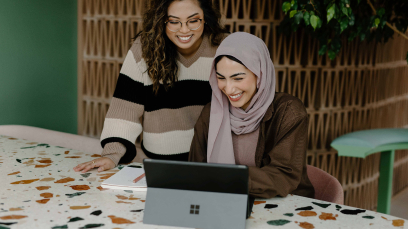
[224,118]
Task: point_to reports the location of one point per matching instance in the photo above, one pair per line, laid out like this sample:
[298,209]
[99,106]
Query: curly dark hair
[159,52]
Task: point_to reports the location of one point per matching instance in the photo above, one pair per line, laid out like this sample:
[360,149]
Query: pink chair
[327,187]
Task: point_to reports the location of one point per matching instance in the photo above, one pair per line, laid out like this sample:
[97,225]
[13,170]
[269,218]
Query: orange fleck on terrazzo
[46,195]
[259,202]
[73,157]
[95,155]
[133,198]
[143,201]
[42,166]
[46,161]
[16,209]
[384,217]
[65,180]
[66,152]
[48,179]
[307,213]
[80,187]
[123,202]
[57,195]
[41,153]
[12,138]
[25,181]
[13,217]
[398,223]
[106,175]
[102,189]
[43,201]
[31,161]
[14,173]
[121,197]
[32,143]
[79,207]
[327,216]
[306,225]
[118,220]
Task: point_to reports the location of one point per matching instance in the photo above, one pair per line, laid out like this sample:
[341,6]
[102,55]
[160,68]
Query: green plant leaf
[335,45]
[344,9]
[381,12]
[330,12]
[319,23]
[313,21]
[344,23]
[294,4]
[306,18]
[377,22]
[352,20]
[286,7]
[292,13]
[322,50]
[298,17]
[382,23]
[332,54]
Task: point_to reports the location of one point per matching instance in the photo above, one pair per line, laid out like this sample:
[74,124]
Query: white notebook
[124,180]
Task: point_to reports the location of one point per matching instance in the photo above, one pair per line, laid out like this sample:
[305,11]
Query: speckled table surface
[39,189]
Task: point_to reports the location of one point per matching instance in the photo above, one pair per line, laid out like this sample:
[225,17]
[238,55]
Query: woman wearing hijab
[248,123]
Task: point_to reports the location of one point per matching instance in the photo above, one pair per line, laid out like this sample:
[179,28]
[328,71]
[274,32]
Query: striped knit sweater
[167,119]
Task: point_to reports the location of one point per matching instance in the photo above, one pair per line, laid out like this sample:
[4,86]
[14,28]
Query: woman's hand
[103,163]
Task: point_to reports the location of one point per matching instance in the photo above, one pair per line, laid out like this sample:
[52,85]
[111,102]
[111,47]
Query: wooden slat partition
[365,87]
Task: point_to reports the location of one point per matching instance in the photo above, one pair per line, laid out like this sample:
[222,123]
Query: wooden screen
[365,87]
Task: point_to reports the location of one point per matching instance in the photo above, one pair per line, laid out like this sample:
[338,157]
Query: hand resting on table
[102,164]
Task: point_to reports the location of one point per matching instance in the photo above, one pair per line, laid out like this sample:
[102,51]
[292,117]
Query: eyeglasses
[175,26]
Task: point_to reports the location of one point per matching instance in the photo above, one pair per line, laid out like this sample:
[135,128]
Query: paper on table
[124,180]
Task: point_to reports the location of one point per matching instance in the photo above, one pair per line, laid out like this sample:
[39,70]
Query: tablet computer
[194,194]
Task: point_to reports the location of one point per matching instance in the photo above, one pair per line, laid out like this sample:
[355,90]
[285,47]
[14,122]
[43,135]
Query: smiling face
[236,81]
[187,41]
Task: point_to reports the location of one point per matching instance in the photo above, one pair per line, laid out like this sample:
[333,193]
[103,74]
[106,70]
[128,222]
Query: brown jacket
[280,155]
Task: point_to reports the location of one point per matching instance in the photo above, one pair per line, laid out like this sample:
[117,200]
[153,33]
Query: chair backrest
[327,187]
[71,141]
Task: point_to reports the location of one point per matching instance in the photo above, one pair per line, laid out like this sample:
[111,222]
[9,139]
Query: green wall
[38,63]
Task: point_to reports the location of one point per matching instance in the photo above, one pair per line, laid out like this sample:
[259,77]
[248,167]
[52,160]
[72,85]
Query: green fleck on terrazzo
[278,222]
[368,217]
[92,226]
[57,154]
[120,167]
[85,175]
[3,227]
[321,205]
[28,147]
[129,191]
[60,227]
[46,145]
[75,219]
[74,194]
[288,214]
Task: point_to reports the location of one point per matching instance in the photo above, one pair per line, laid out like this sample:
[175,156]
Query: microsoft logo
[194,209]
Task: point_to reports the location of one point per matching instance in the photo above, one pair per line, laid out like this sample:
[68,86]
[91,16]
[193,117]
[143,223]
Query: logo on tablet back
[195,209]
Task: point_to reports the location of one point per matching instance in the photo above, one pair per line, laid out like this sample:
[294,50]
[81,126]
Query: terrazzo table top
[39,189]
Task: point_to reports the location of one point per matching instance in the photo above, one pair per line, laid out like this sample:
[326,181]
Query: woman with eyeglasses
[163,84]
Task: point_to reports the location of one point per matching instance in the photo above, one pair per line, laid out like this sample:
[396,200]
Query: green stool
[366,142]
